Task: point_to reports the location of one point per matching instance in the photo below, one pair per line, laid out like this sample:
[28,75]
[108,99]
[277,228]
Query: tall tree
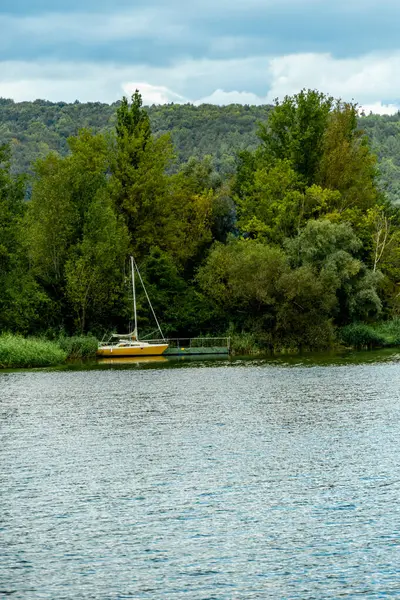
[347,163]
[295,131]
[94,273]
[332,250]
[139,183]
[24,307]
[63,190]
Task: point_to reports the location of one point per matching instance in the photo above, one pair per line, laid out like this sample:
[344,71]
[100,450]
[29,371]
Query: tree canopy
[299,239]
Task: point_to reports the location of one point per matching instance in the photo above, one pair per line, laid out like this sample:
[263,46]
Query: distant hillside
[384,133]
[35,128]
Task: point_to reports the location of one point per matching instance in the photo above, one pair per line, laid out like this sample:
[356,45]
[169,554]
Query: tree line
[298,241]
[33,129]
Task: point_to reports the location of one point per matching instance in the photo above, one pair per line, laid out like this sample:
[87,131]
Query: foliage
[360,335]
[83,346]
[254,283]
[33,129]
[17,351]
[389,331]
[24,305]
[181,308]
[279,238]
[346,163]
[331,249]
[295,132]
[94,273]
[244,343]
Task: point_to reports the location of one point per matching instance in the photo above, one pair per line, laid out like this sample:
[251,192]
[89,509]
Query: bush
[360,335]
[244,343]
[16,352]
[390,331]
[79,346]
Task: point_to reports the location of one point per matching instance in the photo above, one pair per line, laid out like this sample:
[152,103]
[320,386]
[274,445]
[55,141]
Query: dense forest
[301,240]
[33,129]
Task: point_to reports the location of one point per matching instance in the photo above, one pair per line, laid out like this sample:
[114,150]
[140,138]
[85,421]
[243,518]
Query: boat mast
[135,331]
[148,299]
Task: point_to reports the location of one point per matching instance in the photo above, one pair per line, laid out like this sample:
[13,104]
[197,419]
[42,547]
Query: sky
[216,51]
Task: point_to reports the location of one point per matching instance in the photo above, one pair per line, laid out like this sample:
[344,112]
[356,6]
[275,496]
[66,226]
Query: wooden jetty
[195,346]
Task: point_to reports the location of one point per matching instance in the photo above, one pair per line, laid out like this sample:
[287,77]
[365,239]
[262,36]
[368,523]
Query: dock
[196,346]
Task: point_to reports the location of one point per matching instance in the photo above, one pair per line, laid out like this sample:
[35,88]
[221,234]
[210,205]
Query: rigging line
[146,337]
[148,299]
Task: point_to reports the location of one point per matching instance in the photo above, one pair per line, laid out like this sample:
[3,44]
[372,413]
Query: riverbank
[18,352]
[357,336]
[385,334]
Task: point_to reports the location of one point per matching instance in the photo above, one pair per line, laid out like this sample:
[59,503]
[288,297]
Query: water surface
[229,479]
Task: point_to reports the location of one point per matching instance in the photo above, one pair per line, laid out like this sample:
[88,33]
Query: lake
[211,479]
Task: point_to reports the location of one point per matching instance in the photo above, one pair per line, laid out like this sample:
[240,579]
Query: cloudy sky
[220,51]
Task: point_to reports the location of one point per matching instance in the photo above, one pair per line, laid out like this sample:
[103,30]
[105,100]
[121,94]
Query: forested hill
[35,128]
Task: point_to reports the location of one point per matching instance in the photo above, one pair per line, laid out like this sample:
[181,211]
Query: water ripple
[253,481]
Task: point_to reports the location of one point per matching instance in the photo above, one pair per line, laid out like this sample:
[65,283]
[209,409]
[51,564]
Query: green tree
[271,206]
[255,284]
[242,278]
[94,272]
[139,182]
[23,305]
[179,305]
[295,131]
[62,192]
[347,164]
[331,250]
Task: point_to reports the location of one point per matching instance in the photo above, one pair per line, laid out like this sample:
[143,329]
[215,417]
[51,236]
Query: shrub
[244,343]
[79,346]
[390,331]
[360,335]
[16,352]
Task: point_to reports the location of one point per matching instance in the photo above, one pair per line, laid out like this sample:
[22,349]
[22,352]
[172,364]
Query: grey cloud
[194,49]
[160,33]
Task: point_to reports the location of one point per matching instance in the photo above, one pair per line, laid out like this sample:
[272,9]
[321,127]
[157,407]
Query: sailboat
[128,344]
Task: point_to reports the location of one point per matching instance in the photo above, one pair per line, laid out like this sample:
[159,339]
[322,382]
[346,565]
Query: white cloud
[366,79]
[154,94]
[373,81]
[380,109]
[184,81]
[233,97]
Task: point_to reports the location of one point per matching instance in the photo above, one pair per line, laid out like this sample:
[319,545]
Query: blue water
[226,480]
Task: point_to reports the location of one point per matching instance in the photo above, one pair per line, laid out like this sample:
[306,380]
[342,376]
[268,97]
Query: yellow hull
[148,350]
[131,360]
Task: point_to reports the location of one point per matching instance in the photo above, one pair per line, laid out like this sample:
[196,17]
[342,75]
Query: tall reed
[79,346]
[16,352]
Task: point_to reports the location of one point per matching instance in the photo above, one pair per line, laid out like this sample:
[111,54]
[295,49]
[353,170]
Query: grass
[244,343]
[17,351]
[380,335]
[389,332]
[79,346]
[360,335]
